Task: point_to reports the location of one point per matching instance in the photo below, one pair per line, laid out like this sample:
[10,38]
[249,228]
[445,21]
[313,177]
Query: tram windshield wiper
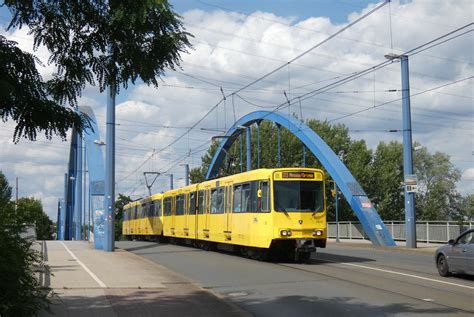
[280,208]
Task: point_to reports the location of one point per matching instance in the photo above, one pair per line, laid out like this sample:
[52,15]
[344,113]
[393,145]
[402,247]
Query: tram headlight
[317,233]
[285,233]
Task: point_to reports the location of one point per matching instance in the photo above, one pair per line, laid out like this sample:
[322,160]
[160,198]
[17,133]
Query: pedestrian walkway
[90,282]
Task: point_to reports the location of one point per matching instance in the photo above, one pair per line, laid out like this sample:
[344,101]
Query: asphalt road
[339,281]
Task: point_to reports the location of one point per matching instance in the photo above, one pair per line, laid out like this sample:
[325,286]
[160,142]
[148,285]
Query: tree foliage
[91,42]
[5,190]
[31,210]
[379,172]
[20,291]
[437,198]
[386,190]
[24,97]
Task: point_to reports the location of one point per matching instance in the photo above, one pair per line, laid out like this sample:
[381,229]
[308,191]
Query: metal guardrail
[429,231]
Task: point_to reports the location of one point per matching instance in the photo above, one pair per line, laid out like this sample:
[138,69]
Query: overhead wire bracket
[150,185]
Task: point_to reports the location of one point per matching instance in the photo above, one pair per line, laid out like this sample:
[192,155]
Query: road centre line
[403,274]
[101,284]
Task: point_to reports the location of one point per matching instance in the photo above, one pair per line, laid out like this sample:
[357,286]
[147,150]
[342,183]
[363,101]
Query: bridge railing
[426,231]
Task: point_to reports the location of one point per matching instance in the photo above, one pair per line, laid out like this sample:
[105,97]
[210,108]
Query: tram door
[228,210]
[186,214]
[208,209]
[173,215]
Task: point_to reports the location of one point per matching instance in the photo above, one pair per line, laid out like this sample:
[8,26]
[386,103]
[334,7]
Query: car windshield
[298,196]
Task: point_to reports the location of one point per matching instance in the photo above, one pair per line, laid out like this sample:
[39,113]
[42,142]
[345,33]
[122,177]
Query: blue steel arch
[353,192]
[95,166]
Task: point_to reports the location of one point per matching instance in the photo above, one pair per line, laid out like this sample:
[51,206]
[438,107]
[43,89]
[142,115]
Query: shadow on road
[335,306]
[463,277]
[174,301]
[327,257]
[148,245]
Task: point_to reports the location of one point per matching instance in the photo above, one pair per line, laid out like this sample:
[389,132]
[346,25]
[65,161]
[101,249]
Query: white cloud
[231,49]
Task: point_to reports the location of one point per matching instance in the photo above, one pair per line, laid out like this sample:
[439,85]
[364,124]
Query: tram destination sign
[306,175]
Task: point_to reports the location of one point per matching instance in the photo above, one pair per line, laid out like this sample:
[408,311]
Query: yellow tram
[265,212]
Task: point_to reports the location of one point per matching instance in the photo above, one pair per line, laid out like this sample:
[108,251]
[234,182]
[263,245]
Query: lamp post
[109,199]
[71,204]
[410,217]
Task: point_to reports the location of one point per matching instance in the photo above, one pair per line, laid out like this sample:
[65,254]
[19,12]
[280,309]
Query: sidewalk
[90,282]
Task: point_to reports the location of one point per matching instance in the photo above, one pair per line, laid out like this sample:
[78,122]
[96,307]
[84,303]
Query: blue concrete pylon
[95,167]
[351,189]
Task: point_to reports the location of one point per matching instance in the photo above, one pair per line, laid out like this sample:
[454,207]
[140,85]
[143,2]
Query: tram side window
[158,210]
[237,199]
[246,202]
[144,210]
[134,213]
[167,206]
[139,211]
[179,205]
[253,206]
[220,200]
[201,202]
[264,200]
[214,201]
[192,203]
[151,209]
[228,192]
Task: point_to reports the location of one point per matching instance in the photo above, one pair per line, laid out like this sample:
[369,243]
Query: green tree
[103,42]
[31,210]
[380,173]
[198,174]
[5,190]
[20,291]
[120,202]
[436,198]
[353,153]
[467,207]
[24,97]
[387,176]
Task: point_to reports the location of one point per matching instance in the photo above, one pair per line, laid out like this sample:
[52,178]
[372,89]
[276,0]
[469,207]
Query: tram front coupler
[305,245]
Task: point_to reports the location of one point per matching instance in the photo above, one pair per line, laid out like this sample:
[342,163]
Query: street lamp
[392,57]
[99,142]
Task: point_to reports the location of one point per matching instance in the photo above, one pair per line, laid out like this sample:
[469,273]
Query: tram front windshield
[298,196]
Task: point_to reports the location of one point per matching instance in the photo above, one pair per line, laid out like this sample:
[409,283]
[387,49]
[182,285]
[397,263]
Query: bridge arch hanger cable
[256,81]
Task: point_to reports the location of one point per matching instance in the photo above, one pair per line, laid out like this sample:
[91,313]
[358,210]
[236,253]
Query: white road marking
[428,299]
[101,284]
[404,274]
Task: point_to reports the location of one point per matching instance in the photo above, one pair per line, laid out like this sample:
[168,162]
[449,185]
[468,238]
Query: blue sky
[336,10]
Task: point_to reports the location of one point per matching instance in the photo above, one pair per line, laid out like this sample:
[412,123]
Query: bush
[20,291]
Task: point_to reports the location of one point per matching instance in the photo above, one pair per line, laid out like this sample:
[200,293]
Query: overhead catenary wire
[398,99]
[259,79]
[312,93]
[368,70]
